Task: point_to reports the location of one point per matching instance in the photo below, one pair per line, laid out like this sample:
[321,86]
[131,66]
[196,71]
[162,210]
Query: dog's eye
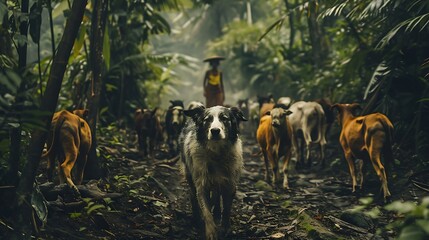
[224,117]
[208,118]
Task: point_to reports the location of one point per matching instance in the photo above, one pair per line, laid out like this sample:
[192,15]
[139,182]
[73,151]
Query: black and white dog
[212,154]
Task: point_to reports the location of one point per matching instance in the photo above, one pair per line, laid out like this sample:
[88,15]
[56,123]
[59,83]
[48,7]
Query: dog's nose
[215,131]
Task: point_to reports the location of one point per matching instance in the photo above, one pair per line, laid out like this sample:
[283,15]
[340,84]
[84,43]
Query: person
[213,83]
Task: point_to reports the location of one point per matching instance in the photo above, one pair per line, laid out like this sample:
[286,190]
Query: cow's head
[344,109]
[278,115]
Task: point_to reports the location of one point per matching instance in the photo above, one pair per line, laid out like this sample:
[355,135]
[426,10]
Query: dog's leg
[215,200]
[227,197]
[194,202]
[210,226]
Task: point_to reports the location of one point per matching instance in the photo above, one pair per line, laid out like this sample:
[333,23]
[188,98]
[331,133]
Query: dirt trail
[156,204]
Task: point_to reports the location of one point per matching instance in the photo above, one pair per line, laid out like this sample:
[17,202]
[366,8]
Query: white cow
[309,127]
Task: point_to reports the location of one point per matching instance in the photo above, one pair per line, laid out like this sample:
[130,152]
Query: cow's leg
[322,144]
[264,153]
[307,140]
[287,157]
[349,157]
[359,166]
[152,147]
[71,149]
[51,165]
[273,159]
[375,154]
[80,166]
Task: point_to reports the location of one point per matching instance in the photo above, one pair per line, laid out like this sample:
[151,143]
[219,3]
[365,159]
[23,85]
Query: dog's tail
[55,135]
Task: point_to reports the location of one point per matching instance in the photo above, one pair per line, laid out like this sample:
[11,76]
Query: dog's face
[216,123]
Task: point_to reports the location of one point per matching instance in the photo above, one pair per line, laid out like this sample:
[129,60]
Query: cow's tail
[55,135]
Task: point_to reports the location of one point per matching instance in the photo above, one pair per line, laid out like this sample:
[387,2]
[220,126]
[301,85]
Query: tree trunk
[315,34]
[23,227]
[23,29]
[92,169]
[289,9]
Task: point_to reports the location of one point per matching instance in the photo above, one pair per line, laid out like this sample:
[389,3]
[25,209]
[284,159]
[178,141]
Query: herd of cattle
[285,127]
[281,129]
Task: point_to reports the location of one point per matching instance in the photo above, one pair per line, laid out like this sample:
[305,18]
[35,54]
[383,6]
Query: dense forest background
[115,56]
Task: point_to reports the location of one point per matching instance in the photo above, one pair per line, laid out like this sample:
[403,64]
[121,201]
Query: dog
[211,153]
[69,140]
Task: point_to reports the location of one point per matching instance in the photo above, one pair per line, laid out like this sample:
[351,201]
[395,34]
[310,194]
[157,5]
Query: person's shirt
[214,79]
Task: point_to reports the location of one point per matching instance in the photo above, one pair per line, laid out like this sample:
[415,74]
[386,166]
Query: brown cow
[149,130]
[365,137]
[69,140]
[274,136]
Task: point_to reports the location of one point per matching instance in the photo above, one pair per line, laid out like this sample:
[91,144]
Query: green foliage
[412,219]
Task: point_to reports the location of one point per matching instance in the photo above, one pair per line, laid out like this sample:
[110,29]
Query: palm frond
[419,22]
[333,11]
[381,71]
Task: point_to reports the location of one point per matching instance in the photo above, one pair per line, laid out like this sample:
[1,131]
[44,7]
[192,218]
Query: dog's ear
[194,113]
[238,114]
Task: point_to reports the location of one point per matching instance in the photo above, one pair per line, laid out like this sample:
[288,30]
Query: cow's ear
[238,114]
[194,113]
[355,106]
[335,106]
[85,113]
[288,112]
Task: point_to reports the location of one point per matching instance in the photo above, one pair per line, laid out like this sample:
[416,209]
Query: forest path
[155,202]
[310,209]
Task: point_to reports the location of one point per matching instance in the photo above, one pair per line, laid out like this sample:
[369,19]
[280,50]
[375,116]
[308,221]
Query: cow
[253,116]
[329,113]
[367,138]
[174,122]
[274,136]
[149,130]
[287,101]
[309,127]
[265,99]
[243,105]
[265,108]
[195,104]
[69,141]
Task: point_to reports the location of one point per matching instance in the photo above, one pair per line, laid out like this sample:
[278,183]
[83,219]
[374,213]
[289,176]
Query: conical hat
[213,58]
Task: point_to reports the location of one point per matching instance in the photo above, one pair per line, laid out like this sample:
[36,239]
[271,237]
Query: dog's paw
[211,233]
